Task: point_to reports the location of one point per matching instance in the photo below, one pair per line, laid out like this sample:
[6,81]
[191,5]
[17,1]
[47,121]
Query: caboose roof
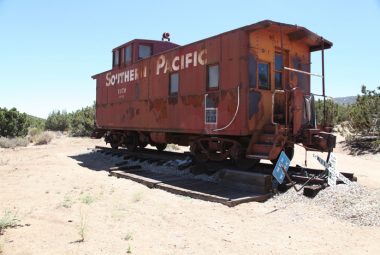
[143,41]
[294,32]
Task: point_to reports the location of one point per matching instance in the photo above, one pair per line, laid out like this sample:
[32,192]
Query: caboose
[242,95]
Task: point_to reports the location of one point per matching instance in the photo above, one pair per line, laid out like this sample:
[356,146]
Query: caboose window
[173,84]
[213,76]
[144,51]
[278,70]
[116,58]
[263,70]
[128,54]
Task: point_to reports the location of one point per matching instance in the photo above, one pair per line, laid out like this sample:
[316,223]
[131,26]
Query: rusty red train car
[243,94]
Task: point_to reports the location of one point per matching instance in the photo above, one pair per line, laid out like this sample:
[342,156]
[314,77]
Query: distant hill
[345,100]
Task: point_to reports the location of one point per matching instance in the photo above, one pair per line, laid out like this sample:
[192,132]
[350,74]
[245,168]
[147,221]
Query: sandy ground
[58,190]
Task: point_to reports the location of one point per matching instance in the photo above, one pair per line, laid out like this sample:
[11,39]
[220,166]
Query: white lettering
[181,62]
[144,71]
[160,64]
[175,64]
[108,78]
[126,76]
[136,74]
[202,60]
[113,80]
[188,59]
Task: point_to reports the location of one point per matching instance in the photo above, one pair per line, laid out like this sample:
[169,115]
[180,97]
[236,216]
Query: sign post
[283,163]
[333,174]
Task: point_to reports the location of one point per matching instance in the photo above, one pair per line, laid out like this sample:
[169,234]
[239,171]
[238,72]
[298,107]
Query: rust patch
[131,112]
[159,108]
[230,97]
[173,100]
[212,100]
[254,99]
[193,100]
[137,91]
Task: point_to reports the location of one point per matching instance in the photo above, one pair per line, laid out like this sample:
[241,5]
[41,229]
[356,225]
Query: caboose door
[281,85]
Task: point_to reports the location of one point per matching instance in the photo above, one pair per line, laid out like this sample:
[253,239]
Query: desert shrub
[58,121]
[13,142]
[13,123]
[365,113]
[33,133]
[35,122]
[335,113]
[43,138]
[82,121]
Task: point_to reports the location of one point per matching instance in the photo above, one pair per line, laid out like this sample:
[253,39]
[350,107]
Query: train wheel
[132,143]
[198,156]
[161,146]
[115,141]
[114,145]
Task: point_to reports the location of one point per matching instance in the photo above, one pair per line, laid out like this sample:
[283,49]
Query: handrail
[283,91]
[236,111]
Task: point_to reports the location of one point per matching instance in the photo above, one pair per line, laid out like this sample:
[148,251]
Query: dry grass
[43,138]
[82,227]
[87,199]
[13,142]
[7,220]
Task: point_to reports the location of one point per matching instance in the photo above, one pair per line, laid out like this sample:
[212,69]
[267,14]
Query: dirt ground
[60,195]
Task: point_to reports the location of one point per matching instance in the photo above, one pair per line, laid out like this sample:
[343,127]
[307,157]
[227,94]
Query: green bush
[365,113]
[35,122]
[13,123]
[82,121]
[58,121]
[335,113]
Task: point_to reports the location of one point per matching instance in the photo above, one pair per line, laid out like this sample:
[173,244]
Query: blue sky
[50,49]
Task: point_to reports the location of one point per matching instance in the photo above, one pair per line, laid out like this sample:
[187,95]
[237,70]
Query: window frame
[208,88]
[125,52]
[114,58]
[147,45]
[280,72]
[258,75]
[174,94]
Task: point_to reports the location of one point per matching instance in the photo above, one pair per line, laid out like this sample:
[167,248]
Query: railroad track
[219,182]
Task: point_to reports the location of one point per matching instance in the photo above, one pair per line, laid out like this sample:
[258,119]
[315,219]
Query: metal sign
[333,174]
[331,179]
[282,163]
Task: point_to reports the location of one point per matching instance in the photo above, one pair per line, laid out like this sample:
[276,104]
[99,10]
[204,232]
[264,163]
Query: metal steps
[265,144]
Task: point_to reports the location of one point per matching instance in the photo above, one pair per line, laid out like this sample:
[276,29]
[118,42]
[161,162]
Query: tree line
[78,123]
